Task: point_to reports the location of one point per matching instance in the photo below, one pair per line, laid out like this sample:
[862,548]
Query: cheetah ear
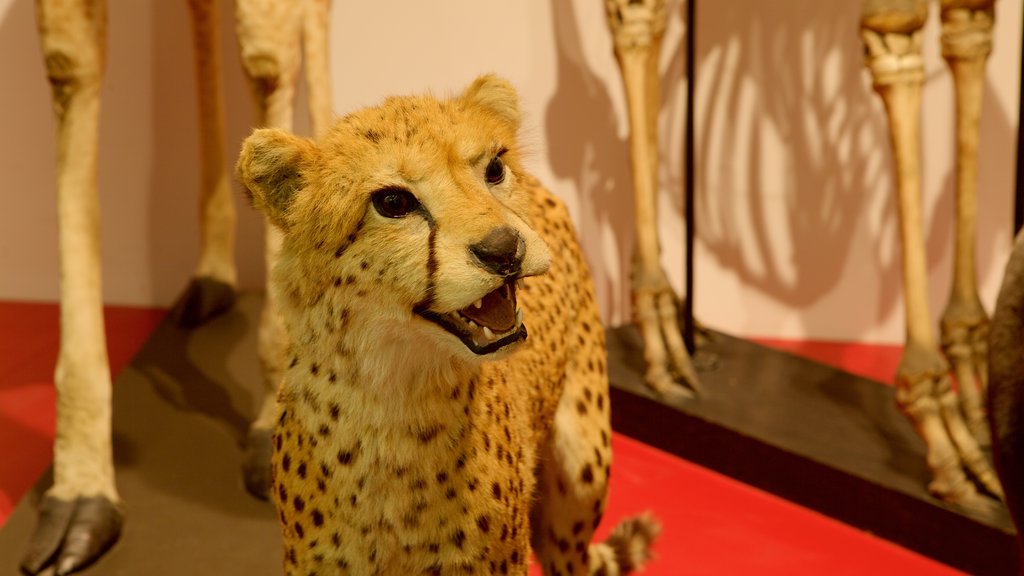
[496,95]
[271,168]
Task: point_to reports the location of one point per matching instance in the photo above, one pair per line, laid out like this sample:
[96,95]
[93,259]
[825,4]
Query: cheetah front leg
[269,34]
[966,44]
[80,516]
[573,484]
[213,285]
[637,28]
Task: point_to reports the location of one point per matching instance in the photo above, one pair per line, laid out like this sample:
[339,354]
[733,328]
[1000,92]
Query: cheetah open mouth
[487,325]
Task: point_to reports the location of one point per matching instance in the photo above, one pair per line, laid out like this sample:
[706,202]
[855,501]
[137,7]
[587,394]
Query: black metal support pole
[691,78]
[1018,206]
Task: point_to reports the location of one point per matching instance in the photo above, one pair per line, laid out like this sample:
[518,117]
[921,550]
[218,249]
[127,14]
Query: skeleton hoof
[662,382]
[204,298]
[990,482]
[259,448]
[72,534]
[683,372]
[969,499]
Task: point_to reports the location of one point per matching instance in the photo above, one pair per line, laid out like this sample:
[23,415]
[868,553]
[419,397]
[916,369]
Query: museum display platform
[820,437]
[813,435]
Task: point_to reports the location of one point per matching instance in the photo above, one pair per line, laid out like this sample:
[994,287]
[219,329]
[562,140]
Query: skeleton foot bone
[925,395]
[966,45]
[965,343]
[665,354]
[637,29]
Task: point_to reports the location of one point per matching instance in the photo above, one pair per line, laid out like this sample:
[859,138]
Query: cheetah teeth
[484,335]
[475,325]
[486,330]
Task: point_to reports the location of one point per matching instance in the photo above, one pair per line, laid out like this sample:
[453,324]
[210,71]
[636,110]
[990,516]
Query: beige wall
[796,217]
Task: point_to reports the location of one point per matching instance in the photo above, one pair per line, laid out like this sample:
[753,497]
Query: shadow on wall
[771,81]
[795,189]
[584,146]
[790,146]
[754,74]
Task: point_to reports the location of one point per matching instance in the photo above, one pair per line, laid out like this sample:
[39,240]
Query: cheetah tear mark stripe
[428,300]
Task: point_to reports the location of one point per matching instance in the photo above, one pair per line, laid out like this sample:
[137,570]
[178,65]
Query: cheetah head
[411,217]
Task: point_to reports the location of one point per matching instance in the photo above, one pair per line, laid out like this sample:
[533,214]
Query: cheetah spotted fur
[420,430]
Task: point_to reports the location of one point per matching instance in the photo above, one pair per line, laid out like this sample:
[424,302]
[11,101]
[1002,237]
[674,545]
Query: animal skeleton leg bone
[966,44]
[891,30]
[637,29]
[79,517]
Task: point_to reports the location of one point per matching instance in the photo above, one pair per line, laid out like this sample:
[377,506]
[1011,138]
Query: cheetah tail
[627,548]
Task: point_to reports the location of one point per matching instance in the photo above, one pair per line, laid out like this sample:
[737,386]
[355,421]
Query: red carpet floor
[712,524]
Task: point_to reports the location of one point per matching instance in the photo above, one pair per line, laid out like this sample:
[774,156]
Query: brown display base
[817,436]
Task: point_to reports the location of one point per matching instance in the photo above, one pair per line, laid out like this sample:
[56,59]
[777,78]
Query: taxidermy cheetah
[420,431]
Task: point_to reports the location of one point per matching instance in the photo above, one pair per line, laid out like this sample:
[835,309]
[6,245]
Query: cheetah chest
[451,492]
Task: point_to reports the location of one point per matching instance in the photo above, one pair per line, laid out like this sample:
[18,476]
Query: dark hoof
[259,448]
[204,298]
[70,535]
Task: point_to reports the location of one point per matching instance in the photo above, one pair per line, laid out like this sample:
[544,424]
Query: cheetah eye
[495,171]
[394,202]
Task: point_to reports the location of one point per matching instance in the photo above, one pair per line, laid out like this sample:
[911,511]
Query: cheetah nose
[501,251]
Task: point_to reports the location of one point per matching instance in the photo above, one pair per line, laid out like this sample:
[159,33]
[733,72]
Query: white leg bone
[966,44]
[637,28]
[891,33]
